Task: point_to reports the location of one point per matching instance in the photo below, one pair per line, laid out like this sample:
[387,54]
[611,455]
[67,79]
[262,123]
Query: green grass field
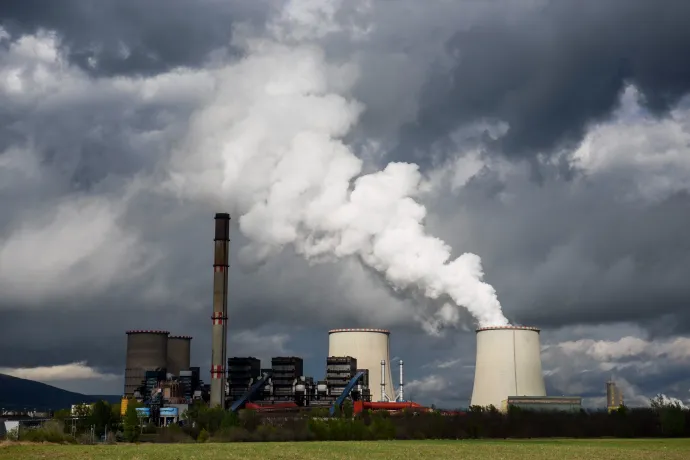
[408,450]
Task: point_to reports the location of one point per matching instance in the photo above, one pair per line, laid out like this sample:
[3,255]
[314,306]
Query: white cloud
[677,349]
[63,372]
[653,154]
[427,386]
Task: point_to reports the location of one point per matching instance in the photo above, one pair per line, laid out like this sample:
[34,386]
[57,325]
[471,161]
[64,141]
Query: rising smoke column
[268,143]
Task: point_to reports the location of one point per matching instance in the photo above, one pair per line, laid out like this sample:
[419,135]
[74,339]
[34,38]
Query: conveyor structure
[253,391]
[346,392]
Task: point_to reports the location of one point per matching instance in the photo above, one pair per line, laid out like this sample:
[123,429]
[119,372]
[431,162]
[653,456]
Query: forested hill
[16,393]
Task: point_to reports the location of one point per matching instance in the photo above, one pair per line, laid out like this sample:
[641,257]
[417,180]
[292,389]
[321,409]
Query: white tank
[369,347]
[508,364]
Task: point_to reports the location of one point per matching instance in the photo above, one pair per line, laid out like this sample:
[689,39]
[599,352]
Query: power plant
[146,351]
[358,367]
[371,349]
[508,364]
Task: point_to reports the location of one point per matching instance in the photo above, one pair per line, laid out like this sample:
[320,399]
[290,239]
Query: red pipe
[360,406]
[285,405]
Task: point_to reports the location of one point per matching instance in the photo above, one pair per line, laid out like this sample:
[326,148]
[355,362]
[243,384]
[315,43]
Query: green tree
[348,409]
[101,416]
[83,414]
[131,425]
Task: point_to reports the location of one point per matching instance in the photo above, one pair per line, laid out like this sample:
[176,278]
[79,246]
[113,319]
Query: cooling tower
[179,350]
[508,364]
[146,351]
[369,347]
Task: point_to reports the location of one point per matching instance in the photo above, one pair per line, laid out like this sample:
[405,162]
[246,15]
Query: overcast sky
[552,140]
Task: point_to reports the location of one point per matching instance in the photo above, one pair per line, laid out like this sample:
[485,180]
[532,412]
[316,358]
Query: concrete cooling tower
[179,351]
[146,351]
[508,364]
[369,347]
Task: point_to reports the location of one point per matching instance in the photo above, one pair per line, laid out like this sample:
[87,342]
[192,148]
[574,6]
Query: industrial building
[146,351]
[614,396]
[371,349]
[508,368]
[158,373]
[508,371]
[508,364]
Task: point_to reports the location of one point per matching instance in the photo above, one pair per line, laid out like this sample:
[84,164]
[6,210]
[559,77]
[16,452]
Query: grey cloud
[133,37]
[551,70]
[561,253]
[567,253]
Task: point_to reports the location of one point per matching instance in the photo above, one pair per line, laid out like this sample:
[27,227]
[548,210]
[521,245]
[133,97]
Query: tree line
[202,424]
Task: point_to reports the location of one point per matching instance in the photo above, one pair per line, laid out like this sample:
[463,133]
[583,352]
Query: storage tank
[179,350]
[146,351]
[508,364]
[369,347]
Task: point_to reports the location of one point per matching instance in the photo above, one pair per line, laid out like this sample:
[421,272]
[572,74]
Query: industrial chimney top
[148,332]
[519,328]
[222,215]
[383,331]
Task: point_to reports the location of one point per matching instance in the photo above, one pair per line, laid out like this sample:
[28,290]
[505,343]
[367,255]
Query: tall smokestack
[402,396]
[220,309]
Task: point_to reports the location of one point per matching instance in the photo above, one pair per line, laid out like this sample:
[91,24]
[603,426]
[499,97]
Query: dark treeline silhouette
[476,423]
[202,424]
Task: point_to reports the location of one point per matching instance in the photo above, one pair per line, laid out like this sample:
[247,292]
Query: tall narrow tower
[220,309]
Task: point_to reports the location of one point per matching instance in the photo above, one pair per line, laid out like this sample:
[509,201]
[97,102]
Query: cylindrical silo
[508,364]
[179,350]
[369,347]
[146,351]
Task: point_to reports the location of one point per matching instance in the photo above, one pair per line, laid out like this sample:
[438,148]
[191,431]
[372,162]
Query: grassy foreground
[392,450]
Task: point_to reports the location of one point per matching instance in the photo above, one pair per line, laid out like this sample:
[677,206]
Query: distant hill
[16,393]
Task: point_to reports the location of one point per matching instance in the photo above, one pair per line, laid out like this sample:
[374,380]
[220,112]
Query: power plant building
[371,348]
[614,396]
[146,351]
[508,364]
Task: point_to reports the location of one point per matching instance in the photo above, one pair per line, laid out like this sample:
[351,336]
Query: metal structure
[220,309]
[369,347]
[614,396]
[544,403]
[384,395]
[146,351]
[401,395]
[253,391]
[508,364]
[179,352]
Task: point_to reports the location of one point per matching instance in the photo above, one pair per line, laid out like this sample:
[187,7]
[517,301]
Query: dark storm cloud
[551,70]
[564,253]
[557,255]
[131,36]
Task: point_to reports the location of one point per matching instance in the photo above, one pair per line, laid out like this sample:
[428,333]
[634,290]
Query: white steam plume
[269,140]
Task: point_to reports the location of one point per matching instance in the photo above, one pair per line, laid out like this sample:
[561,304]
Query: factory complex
[358,368]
